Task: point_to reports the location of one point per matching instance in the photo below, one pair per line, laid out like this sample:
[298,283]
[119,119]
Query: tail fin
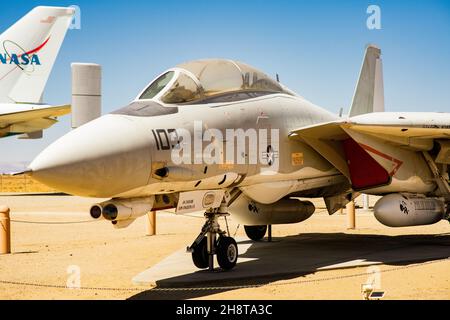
[369,93]
[28,50]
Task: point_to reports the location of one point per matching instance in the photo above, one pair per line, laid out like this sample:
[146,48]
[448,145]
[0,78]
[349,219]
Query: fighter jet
[27,53]
[223,137]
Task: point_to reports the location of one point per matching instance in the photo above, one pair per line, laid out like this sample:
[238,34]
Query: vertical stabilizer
[28,50]
[369,93]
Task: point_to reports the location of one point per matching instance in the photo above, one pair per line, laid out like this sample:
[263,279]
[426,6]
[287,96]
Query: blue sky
[315,46]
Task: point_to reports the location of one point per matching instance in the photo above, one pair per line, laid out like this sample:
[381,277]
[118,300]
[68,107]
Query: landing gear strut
[447,213]
[207,244]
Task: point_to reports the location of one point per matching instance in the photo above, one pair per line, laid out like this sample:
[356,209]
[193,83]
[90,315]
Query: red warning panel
[365,172]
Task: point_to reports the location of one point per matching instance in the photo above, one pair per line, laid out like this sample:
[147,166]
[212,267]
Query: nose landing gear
[207,244]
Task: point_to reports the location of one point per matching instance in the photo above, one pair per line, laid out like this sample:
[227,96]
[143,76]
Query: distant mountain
[10,167]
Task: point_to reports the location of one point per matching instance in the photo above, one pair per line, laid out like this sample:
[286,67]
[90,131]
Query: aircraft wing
[368,149]
[29,119]
[33,113]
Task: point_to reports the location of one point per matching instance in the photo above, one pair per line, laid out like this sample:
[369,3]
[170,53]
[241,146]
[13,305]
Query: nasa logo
[23,58]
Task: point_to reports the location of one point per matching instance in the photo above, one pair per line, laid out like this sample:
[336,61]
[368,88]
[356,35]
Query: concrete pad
[299,255]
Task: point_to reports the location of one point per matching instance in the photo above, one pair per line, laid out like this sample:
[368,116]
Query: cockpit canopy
[210,80]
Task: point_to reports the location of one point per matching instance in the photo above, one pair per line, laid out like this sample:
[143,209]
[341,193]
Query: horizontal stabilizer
[23,113]
[29,119]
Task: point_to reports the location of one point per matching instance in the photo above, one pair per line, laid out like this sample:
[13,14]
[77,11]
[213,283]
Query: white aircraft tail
[28,50]
[369,93]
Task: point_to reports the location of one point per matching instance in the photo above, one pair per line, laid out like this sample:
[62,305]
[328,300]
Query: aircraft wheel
[255,233]
[227,252]
[200,255]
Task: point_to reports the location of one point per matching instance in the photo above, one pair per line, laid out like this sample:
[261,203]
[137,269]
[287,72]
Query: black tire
[200,255]
[255,233]
[227,252]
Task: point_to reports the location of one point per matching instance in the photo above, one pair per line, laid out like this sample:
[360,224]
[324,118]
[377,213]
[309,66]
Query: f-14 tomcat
[223,137]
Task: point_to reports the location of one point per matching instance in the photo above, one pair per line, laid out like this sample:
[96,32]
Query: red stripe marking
[398,163]
[37,49]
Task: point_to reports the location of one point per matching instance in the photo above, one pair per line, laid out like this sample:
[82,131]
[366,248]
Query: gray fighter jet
[222,137]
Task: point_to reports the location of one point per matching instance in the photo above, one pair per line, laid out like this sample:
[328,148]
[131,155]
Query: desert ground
[20,184]
[53,234]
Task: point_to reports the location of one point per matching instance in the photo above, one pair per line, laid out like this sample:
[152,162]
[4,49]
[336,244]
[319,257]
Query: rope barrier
[53,222]
[88,221]
[355,275]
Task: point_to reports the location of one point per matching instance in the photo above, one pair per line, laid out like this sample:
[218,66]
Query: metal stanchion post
[151,223]
[5,230]
[366,201]
[351,215]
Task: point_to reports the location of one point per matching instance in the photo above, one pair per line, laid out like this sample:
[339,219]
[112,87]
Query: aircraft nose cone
[102,158]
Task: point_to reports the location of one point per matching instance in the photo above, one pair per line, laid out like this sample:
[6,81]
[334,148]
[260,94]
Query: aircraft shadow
[295,256]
